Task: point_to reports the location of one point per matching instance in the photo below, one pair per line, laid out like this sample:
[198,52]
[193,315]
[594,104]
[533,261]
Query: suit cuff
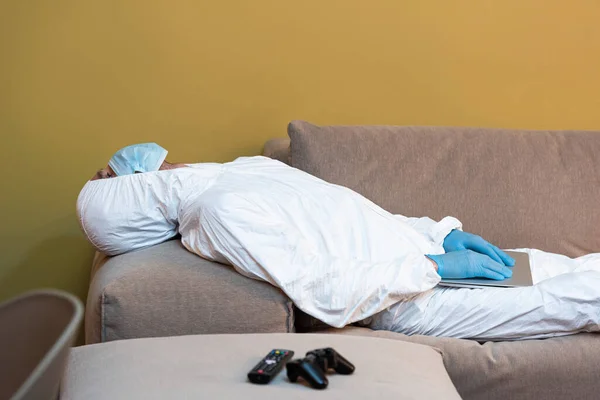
[443,228]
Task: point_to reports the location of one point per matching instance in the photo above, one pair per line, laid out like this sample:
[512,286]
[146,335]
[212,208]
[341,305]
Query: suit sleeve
[433,230]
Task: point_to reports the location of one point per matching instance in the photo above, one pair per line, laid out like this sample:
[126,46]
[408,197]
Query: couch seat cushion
[550,369]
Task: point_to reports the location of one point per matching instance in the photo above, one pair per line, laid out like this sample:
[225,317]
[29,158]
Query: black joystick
[313,367]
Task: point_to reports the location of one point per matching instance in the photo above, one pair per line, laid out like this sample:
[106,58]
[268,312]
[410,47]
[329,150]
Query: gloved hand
[469,264]
[459,240]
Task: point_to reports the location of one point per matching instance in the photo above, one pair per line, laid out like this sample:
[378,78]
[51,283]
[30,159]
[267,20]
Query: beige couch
[515,188]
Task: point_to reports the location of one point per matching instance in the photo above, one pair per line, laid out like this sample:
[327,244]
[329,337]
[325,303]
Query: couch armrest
[165,290]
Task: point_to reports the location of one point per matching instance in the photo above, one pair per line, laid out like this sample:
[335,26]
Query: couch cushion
[165,290]
[558,368]
[278,149]
[215,367]
[515,188]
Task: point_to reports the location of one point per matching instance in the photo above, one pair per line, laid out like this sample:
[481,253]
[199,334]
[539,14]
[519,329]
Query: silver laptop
[521,276]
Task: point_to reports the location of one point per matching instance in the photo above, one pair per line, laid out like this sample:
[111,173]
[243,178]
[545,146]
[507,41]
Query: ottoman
[215,367]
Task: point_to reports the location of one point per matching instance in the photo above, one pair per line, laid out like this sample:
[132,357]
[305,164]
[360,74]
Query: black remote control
[269,367]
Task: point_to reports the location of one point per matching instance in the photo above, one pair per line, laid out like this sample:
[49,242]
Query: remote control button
[260,371]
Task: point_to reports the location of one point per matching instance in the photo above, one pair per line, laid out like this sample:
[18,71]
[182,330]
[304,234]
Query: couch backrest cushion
[516,188]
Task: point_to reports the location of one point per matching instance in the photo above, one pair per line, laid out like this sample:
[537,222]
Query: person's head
[137,158]
[104,173]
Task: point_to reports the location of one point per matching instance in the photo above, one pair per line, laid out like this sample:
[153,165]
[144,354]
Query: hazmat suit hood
[130,212]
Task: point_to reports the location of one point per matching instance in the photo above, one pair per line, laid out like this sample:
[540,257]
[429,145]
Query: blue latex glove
[469,264]
[459,240]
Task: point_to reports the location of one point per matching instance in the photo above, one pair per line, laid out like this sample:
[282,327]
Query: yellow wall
[211,80]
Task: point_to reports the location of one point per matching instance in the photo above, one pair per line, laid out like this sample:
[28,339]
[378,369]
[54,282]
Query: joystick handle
[308,369]
[329,358]
[342,366]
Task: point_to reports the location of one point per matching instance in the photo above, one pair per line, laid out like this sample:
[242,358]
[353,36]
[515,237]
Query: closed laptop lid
[521,275]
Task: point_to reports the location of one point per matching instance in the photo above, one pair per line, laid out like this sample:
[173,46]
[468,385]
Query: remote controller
[269,367]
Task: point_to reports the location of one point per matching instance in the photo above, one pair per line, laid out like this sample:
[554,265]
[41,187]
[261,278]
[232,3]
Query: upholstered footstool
[215,367]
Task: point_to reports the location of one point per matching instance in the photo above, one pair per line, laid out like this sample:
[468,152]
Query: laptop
[521,276]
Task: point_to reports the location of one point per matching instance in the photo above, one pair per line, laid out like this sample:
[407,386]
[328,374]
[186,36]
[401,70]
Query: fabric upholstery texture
[517,188]
[278,149]
[165,290]
[558,368]
[215,367]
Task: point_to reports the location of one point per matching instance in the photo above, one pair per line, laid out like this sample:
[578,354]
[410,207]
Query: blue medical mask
[144,157]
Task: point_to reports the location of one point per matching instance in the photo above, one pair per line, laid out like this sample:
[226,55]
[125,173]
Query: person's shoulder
[256,162]
[252,159]
[204,165]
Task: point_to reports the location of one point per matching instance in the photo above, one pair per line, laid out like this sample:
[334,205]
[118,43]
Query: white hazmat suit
[337,255]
